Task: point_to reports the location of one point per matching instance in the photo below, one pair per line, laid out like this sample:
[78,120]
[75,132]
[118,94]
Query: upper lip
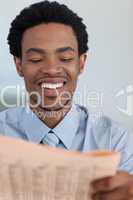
[52,80]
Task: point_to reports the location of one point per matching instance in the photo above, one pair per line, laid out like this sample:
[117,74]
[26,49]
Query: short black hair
[46,12]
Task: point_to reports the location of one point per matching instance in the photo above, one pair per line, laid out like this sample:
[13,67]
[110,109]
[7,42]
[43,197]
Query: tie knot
[51,139]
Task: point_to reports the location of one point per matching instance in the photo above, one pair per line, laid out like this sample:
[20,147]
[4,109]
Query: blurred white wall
[109,68]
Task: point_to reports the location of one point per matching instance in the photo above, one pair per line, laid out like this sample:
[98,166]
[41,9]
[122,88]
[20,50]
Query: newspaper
[36,172]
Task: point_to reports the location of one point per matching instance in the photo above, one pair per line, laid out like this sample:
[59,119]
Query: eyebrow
[43,51]
[36,50]
[64,49]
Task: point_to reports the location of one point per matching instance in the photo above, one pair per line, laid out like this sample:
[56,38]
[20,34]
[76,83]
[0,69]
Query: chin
[55,106]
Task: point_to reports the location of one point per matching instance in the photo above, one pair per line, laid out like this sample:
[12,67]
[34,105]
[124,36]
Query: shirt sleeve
[122,141]
[111,135]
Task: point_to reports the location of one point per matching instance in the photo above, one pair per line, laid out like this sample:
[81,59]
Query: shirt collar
[67,128]
[35,129]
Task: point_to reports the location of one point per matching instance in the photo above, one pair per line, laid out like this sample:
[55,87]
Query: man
[49,44]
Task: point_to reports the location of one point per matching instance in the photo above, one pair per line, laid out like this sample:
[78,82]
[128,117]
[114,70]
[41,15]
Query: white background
[109,66]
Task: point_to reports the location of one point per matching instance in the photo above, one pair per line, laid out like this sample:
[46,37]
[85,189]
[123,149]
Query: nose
[51,66]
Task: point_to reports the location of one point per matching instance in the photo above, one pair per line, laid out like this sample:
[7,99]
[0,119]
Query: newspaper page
[36,172]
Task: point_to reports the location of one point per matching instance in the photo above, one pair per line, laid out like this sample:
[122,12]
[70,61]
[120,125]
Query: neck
[53,117]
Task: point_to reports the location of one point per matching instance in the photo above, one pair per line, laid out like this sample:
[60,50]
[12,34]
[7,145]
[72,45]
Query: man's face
[50,63]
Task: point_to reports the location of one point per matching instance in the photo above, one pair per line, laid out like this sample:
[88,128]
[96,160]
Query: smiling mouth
[52,85]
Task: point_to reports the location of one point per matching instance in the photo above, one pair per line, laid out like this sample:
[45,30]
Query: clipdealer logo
[92,99]
[126,93]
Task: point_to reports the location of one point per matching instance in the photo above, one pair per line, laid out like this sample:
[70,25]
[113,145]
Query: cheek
[29,74]
[29,79]
[74,77]
[75,73]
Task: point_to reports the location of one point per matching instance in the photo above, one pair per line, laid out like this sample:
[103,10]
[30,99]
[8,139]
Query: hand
[118,187]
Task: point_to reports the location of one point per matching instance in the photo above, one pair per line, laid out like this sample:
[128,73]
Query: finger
[123,193]
[110,183]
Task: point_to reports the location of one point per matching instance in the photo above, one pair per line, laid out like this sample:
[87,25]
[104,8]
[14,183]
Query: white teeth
[52,85]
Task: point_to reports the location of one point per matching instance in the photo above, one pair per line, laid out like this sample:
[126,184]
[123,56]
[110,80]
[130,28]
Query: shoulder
[11,115]
[10,121]
[98,123]
[108,129]
[105,126]
[106,132]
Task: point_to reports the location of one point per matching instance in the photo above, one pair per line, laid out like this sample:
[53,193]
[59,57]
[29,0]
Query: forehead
[49,36]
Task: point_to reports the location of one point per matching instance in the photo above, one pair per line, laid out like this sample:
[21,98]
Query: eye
[35,60]
[66,59]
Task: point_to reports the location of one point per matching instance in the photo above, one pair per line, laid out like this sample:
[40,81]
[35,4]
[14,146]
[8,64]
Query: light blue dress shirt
[77,131]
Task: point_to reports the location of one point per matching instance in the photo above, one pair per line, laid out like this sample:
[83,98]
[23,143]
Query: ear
[82,60]
[18,63]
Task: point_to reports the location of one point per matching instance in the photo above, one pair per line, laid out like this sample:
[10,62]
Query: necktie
[50,139]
